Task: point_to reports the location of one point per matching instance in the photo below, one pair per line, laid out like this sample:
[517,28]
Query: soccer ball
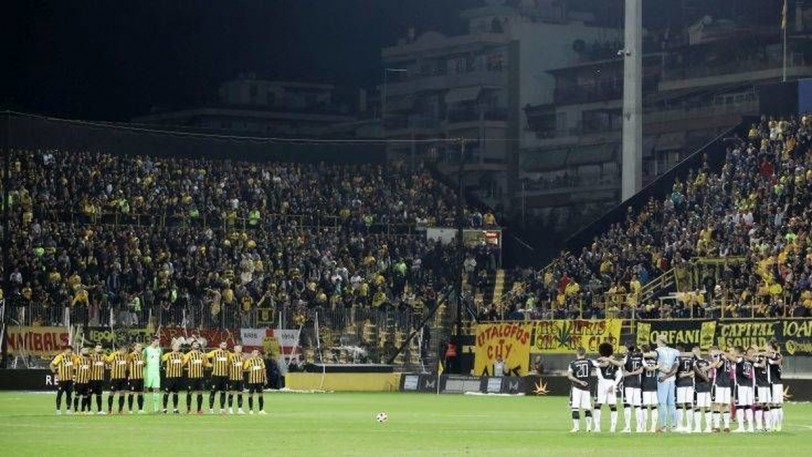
[381,417]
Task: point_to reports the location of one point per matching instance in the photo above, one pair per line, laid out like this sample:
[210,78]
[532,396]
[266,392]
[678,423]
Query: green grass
[344,424]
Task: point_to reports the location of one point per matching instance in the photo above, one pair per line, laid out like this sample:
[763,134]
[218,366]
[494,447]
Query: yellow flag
[784,16]
[439,367]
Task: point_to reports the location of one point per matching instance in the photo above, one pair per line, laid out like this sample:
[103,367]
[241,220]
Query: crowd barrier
[123,318]
[46,342]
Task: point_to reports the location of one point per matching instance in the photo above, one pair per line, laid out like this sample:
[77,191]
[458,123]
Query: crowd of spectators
[231,237]
[95,183]
[754,214]
[235,246]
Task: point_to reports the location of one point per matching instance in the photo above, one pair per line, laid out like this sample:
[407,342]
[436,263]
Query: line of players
[131,372]
[704,387]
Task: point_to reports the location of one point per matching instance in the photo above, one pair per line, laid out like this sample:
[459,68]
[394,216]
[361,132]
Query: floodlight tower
[632,54]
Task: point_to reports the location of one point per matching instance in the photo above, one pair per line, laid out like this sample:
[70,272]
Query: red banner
[38,341]
[207,338]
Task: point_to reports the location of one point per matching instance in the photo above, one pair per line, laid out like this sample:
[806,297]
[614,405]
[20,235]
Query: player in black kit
[775,360]
[649,388]
[744,390]
[609,377]
[685,390]
[632,390]
[722,387]
[702,388]
[580,374]
[763,392]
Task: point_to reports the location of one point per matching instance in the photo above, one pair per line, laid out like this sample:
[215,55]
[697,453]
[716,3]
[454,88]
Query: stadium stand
[135,240]
[199,243]
[736,242]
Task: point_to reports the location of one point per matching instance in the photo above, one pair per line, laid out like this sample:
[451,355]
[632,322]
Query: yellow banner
[565,336]
[511,341]
[37,341]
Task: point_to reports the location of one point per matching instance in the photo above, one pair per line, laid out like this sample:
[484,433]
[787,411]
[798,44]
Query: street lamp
[386,72]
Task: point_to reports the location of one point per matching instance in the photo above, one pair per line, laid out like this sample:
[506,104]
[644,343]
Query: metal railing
[680,72]
[624,305]
[651,288]
[210,316]
[161,220]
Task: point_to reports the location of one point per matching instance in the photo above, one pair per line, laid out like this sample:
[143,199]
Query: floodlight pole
[460,251]
[632,177]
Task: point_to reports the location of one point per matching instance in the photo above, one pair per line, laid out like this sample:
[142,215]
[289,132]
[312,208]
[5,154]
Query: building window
[495,62]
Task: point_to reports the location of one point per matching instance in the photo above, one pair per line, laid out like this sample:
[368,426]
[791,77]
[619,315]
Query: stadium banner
[36,341]
[508,340]
[208,338]
[797,336]
[266,316]
[110,338]
[270,340]
[794,336]
[566,336]
[471,237]
[686,333]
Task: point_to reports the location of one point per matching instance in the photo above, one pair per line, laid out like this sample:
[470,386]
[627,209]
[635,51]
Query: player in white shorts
[580,375]
[744,389]
[775,360]
[609,376]
[632,389]
[722,386]
[702,388]
[632,365]
[649,391]
[763,393]
[685,390]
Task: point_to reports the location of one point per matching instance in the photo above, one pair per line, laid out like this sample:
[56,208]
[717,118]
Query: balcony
[600,92]
[570,183]
[700,75]
[396,125]
[701,70]
[473,115]
[438,82]
[547,160]
[579,132]
[747,106]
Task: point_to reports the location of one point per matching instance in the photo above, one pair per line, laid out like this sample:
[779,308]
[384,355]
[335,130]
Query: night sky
[115,59]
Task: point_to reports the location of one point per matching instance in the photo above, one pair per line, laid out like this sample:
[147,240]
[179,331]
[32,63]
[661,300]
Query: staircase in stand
[499,288]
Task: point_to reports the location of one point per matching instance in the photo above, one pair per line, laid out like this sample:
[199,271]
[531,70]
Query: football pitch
[345,424]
